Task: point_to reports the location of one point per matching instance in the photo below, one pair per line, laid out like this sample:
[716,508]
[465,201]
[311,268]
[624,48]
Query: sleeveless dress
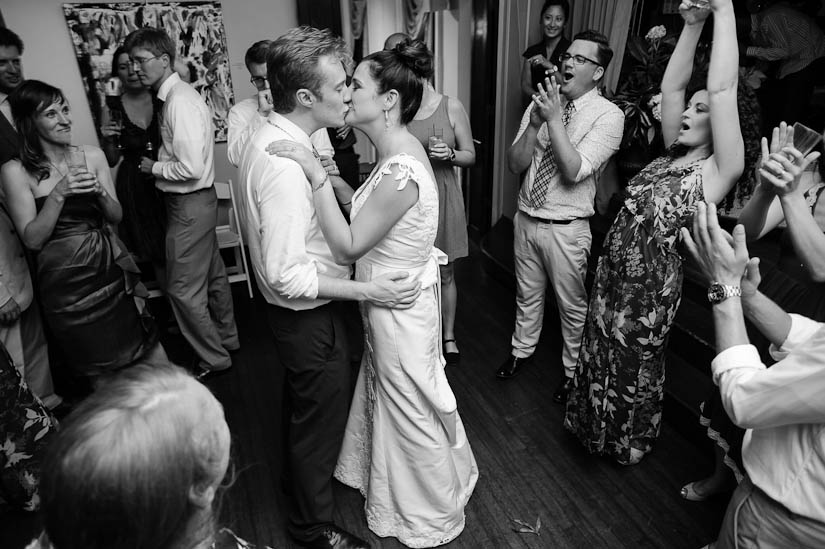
[618,387]
[143,227]
[451,237]
[87,283]
[405,447]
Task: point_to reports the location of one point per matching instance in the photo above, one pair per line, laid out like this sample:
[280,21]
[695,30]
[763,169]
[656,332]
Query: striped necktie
[547,167]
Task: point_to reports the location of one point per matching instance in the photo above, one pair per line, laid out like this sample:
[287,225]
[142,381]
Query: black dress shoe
[511,367]
[563,390]
[334,537]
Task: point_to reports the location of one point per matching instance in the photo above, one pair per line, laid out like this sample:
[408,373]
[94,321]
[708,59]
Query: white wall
[49,55]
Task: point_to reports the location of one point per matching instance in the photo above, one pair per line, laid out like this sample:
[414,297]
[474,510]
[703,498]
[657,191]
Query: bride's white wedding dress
[405,447]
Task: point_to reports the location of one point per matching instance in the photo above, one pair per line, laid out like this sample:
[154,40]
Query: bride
[405,447]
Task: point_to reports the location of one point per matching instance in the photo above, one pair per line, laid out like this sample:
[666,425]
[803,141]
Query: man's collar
[585,98]
[289,127]
[171,80]
[3,97]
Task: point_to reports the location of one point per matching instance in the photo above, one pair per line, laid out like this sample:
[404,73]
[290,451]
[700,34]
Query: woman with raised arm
[405,447]
[87,280]
[615,406]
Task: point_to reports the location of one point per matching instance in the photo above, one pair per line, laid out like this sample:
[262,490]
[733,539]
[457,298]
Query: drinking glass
[436,137]
[75,159]
[116,119]
[804,138]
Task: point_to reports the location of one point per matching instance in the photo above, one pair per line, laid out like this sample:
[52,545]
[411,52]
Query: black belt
[553,221]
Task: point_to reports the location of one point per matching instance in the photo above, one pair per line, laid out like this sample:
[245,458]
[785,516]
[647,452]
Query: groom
[300,280]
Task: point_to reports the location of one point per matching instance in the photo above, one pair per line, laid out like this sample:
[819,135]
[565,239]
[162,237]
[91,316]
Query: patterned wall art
[196,27]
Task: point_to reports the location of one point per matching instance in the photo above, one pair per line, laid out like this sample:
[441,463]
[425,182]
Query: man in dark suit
[11,76]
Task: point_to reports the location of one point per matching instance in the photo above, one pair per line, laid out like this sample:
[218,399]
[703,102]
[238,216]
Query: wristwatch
[451,158]
[717,293]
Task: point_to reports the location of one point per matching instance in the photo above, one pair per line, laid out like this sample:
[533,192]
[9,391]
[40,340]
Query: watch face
[716,293]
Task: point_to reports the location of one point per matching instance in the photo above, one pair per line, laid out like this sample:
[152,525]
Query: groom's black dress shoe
[511,367]
[334,537]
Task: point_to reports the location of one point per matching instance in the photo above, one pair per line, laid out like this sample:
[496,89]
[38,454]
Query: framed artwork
[196,28]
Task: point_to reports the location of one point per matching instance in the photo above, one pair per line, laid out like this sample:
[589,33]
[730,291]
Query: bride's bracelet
[319,186]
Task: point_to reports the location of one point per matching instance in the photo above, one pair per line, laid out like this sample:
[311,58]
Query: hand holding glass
[436,137]
[116,121]
[805,139]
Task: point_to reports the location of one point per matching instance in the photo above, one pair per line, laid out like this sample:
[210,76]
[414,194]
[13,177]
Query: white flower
[655,33]
[655,105]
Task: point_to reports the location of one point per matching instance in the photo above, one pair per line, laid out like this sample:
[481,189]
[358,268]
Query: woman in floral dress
[615,406]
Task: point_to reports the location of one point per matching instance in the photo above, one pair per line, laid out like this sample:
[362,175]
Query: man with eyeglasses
[196,282]
[567,135]
[248,115]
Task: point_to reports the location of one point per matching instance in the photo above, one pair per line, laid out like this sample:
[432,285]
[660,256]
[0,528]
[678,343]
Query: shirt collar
[171,80]
[290,128]
[583,100]
[3,97]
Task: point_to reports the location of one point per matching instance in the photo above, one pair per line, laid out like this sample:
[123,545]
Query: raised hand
[722,257]
[9,312]
[694,12]
[548,100]
[329,165]
[111,129]
[781,165]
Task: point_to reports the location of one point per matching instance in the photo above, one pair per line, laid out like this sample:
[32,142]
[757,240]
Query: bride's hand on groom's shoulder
[300,154]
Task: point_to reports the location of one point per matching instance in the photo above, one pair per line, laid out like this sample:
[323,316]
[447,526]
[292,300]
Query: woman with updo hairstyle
[138,465]
[443,128]
[405,447]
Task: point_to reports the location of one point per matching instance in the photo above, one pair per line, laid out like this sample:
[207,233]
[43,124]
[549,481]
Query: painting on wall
[196,28]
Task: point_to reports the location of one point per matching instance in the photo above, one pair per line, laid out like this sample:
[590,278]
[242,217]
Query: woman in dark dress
[615,405]
[143,227]
[87,281]
[544,56]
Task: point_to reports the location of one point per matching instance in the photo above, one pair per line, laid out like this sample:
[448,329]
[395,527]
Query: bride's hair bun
[416,56]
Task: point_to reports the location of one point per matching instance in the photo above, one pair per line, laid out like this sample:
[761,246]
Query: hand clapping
[547,102]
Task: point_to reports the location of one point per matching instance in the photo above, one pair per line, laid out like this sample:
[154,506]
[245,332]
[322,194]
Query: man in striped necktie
[567,135]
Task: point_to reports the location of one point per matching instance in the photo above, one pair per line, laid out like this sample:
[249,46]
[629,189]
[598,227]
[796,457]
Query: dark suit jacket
[9,141]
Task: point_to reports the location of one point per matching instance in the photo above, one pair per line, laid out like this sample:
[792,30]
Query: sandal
[453,358]
[690,493]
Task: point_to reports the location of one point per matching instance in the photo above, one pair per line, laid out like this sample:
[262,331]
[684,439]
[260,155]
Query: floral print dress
[616,400]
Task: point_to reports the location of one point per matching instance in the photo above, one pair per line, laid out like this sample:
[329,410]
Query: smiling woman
[541,58]
[64,206]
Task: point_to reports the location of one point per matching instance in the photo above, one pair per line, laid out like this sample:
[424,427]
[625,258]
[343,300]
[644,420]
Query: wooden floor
[529,466]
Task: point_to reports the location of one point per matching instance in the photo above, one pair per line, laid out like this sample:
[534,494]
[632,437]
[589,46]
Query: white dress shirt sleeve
[600,143]
[285,215]
[240,129]
[187,142]
[789,392]
[525,120]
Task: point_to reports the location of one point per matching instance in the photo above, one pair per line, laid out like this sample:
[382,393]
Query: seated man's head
[307,73]
[153,55]
[137,465]
[255,60]
[11,70]
[582,67]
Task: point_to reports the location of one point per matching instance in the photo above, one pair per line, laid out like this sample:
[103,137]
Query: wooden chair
[229,234]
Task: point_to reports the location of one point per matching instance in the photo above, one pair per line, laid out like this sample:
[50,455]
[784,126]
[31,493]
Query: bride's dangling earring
[387,119]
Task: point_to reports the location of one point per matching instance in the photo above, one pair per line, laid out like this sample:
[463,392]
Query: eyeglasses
[141,62]
[577,59]
[258,81]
